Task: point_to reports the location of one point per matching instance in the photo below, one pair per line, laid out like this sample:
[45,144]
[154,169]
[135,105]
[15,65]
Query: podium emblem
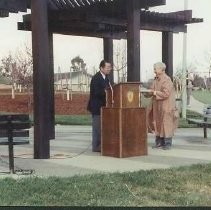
[130,96]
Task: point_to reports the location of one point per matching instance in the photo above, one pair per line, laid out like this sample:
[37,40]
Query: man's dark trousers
[96,133]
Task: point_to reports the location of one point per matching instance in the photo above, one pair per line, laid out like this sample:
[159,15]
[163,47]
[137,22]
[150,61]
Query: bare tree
[120,61]
[18,67]
[9,68]
[25,67]
[178,77]
[205,64]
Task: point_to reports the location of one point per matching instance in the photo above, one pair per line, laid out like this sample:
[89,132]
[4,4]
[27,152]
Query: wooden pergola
[107,19]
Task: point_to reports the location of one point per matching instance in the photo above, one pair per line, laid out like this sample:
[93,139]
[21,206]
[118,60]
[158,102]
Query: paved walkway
[196,106]
[71,154]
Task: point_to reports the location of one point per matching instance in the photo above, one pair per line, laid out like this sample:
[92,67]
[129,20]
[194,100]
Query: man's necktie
[112,94]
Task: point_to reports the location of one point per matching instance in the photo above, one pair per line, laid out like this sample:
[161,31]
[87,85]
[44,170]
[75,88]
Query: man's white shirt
[103,75]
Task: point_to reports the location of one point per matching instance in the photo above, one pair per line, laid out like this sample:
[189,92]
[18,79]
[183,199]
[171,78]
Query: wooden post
[108,55]
[167,52]
[41,81]
[133,41]
[10,140]
[51,97]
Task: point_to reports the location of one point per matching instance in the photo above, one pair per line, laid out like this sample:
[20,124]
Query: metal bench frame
[14,126]
[203,123]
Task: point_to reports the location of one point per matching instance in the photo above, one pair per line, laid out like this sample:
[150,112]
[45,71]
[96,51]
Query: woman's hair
[103,63]
[160,65]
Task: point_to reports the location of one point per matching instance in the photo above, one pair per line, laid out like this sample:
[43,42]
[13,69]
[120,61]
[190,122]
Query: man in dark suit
[98,85]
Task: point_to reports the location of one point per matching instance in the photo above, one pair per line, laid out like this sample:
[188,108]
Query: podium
[123,122]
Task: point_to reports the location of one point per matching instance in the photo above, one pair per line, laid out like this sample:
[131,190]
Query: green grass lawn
[202,96]
[190,114]
[184,186]
[86,119]
[73,119]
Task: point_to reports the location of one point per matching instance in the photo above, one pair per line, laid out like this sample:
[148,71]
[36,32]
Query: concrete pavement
[71,154]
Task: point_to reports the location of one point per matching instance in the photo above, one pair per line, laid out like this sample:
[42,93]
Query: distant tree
[18,68]
[198,81]
[78,64]
[120,61]
[205,63]
[178,77]
[8,68]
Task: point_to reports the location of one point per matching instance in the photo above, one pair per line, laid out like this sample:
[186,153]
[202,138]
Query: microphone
[112,94]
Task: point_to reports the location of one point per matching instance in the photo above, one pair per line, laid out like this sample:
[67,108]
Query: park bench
[203,123]
[11,126]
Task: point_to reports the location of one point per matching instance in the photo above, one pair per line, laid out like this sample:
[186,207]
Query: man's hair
[103,63]
[160,65]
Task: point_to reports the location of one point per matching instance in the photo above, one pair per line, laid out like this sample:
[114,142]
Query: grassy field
[184,186]
[86,119]
[73,119]
[202,96]
[190,114]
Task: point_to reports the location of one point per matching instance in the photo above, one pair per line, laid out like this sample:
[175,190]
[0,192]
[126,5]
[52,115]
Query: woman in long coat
[162,114]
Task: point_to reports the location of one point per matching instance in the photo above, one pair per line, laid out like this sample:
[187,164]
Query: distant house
[74,81]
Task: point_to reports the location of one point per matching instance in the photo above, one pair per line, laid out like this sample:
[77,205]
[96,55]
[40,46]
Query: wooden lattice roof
[14,6]
[86,23]
[72,4]
[75,4]
[100,18]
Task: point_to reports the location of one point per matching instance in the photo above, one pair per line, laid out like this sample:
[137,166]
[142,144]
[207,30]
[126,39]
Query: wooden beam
[133,41]
[67,28]
[167,52]
[108,55]
[26,26]
[162,27]
[185,15]
[67,22]
[86,26]
[153,21]
[41,66]
[75,32]
[4,13]
[108,35]
[14,5]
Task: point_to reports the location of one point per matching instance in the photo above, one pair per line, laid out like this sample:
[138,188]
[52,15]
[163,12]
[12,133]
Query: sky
[91,49]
